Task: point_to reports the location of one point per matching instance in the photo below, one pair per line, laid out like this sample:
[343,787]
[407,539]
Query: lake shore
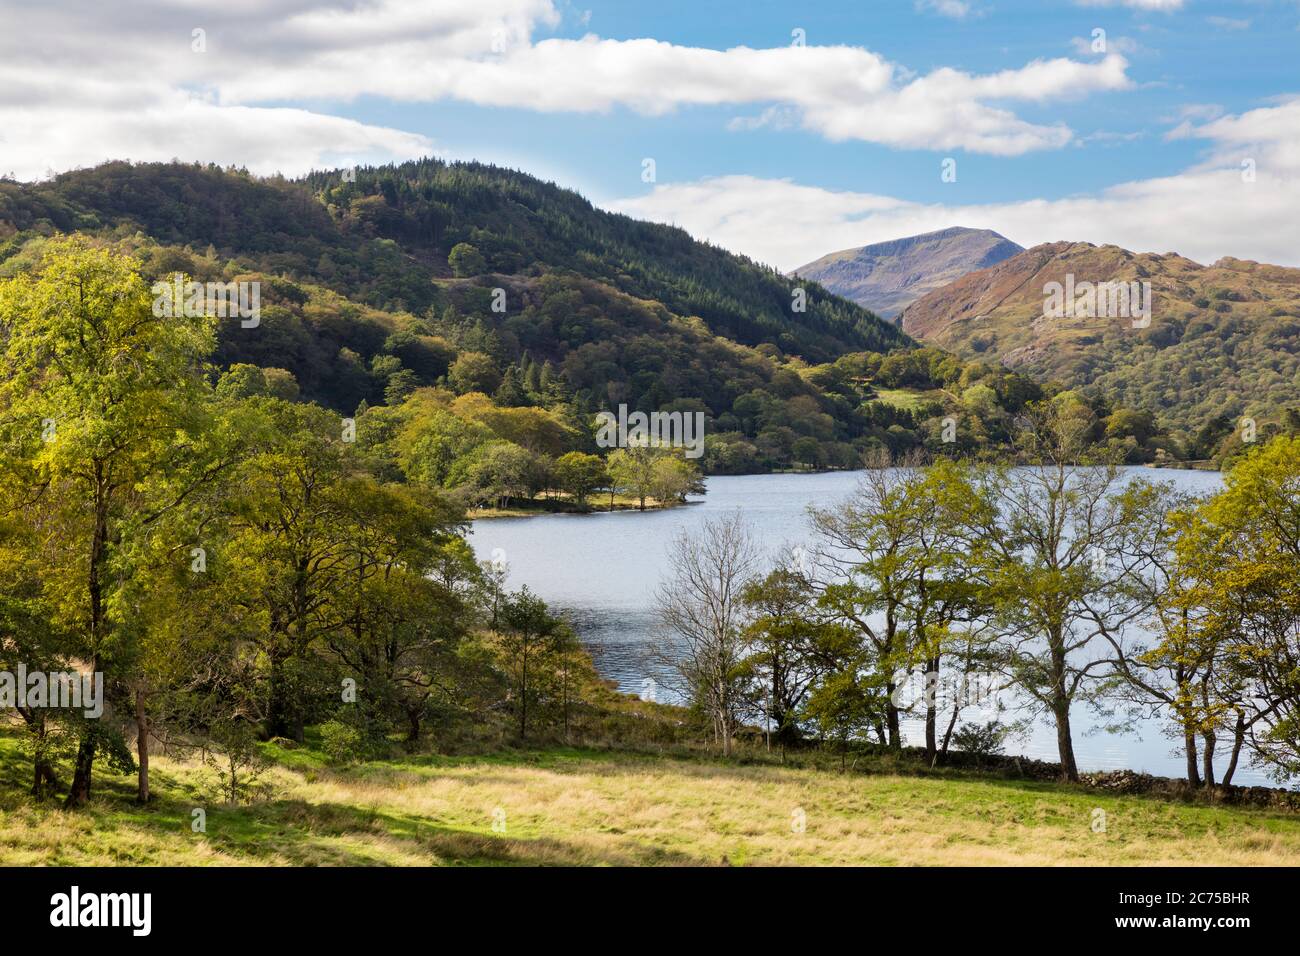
[603,578]
[537,507]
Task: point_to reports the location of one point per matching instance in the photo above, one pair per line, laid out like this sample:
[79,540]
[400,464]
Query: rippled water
[601,572]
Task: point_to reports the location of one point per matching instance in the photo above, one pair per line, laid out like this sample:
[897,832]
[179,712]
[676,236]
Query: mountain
[1222,340]
[886,277]
[490,288]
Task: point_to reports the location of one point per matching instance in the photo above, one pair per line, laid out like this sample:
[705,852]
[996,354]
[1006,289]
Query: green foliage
[1235,608]
[474,372]
[342,742]
[599,309]
[982,740]
[580,474]
[466,261]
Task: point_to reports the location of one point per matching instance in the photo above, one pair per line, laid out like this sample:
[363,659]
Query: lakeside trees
[1056,536]
[1239,554]
[100,412]
[224,561]
[1055,585]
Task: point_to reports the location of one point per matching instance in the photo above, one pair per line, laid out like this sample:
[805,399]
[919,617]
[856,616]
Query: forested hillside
[332,226]
[472,279]
[1222,342]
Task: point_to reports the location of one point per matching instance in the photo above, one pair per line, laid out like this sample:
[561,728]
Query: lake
[601,572]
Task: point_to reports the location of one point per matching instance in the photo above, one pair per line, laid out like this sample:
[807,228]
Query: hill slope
[886,277]
[378,281]
[426,207]
[1223,340]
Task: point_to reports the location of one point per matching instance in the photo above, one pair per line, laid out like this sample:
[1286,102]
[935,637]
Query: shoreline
[543,507]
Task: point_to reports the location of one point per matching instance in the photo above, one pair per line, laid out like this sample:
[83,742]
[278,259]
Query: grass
[909,399]
[568,806]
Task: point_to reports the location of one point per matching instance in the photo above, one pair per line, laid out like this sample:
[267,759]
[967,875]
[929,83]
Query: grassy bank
[572,806]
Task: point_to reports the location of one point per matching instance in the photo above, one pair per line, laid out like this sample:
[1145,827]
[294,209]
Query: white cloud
[265,141]
[121,62]
[1083,46]
[1160,6]
[1228,23]
[1205,212]
[956,9]
[1200,111]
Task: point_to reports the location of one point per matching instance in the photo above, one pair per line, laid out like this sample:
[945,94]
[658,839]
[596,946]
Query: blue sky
[778,152]
[1182,58]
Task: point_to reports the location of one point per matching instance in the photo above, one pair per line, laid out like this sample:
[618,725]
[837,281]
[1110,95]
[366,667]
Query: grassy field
[591,807]
[909,399]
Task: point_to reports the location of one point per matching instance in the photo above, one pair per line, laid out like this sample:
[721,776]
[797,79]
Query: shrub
[342,743]
[466,261]
[983,740]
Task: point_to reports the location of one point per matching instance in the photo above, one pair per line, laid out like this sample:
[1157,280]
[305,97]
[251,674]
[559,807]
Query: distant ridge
[887,277]
[1222,339]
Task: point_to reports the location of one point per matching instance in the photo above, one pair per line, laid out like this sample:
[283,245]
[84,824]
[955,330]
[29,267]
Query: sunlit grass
[908,399]
[583,807]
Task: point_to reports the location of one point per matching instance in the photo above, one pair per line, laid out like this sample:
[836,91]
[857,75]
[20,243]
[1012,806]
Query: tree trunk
[722,703]
[43,776]
[1061,709]
[1238,738]
[931,711]
[1208,758]
[1065,742]
[947,734]
[1189,744]
[891,721]
[44,781]
[282,719]
[79,792]
[142,746]
[565,694]
[523,699]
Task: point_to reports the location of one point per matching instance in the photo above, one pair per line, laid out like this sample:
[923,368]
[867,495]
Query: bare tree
[702,618]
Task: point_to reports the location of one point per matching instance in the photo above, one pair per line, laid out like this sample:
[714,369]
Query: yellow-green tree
[100,399]
[1241,555]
